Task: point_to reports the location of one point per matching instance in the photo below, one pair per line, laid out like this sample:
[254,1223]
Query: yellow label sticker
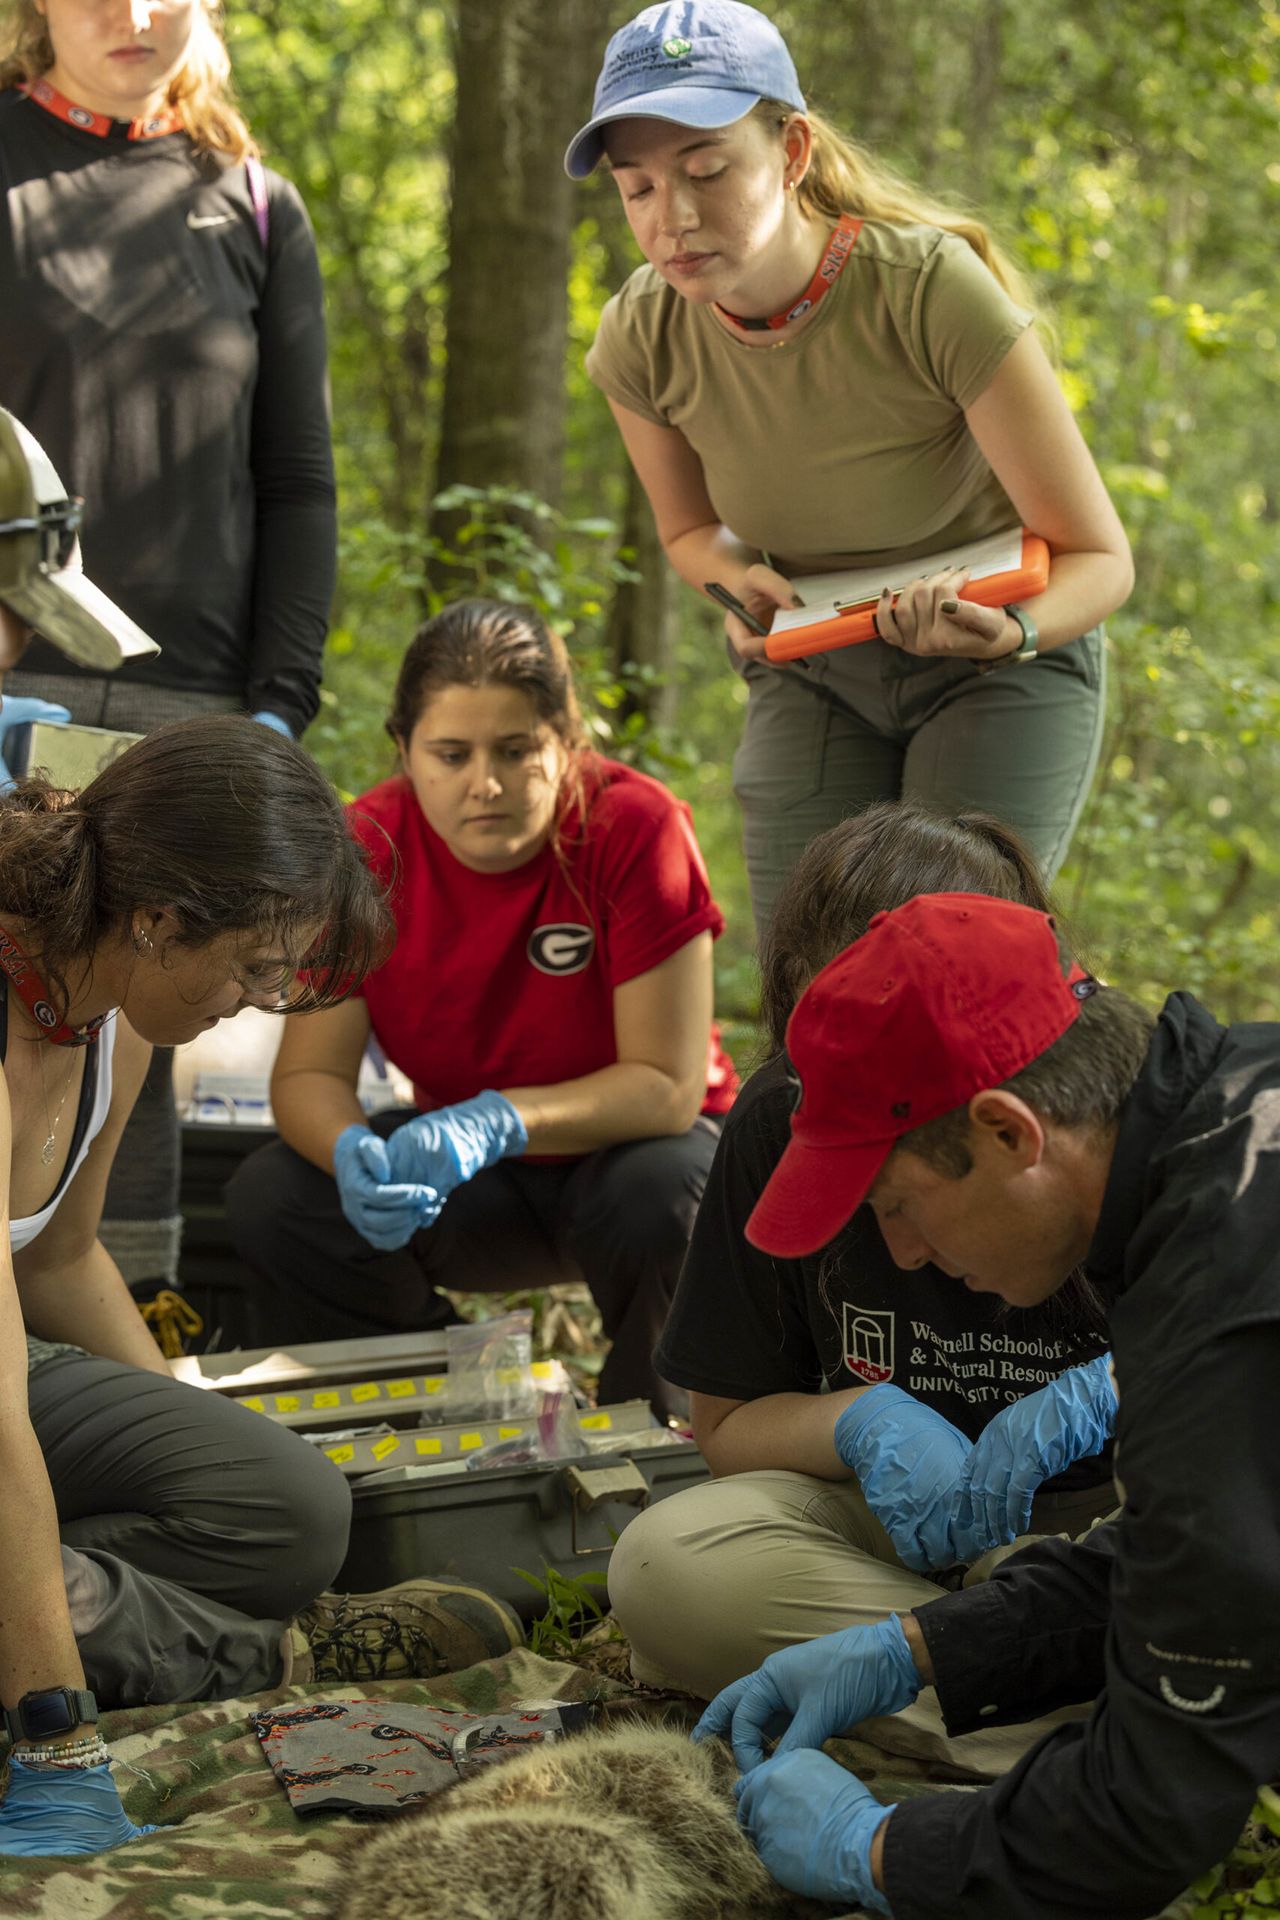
[399,1389]
[326,1399]
[287,1403]
[510,1433]
[426,1446]
[596,1422]
[388,1444]
[468,1442]
[508,1376]
[543,1369]
[255,1404]
[431,1385]
[339,1455]
[368,1390]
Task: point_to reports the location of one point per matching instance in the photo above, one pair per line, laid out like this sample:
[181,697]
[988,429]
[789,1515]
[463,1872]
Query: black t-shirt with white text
[744,1324]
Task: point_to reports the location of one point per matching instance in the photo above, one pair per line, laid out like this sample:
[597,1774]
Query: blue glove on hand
[1038,1436]
[15,712]
[809,1692]
[446,1148]
[56,1810]
[908,1460]
[386,1212]
[275,721]
[812,1823]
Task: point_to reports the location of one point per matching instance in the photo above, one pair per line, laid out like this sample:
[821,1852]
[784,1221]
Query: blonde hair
[199,92]
[845,177]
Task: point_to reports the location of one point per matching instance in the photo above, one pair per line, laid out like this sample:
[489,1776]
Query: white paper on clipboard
[824,593]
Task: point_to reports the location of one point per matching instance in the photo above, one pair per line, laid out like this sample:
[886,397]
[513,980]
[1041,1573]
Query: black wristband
[48,1712]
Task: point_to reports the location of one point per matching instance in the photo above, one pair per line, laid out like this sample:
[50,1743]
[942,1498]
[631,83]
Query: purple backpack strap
[258,195]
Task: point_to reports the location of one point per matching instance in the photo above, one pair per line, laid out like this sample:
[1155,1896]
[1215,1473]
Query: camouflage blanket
[234,1846]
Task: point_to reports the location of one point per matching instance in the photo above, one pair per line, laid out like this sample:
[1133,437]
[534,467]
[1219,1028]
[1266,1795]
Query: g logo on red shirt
[562,947]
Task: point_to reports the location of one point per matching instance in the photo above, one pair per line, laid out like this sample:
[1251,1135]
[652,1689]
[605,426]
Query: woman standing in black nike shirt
[162,334]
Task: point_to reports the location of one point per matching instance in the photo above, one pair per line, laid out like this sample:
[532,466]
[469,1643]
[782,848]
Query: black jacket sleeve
[1028,1640]
[295,553]
[1114,1817]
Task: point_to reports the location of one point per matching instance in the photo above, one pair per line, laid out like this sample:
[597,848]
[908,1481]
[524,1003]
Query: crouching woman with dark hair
[549,996]
[189,880]
[837,1399]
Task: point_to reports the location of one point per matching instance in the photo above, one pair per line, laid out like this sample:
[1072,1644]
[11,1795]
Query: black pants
[619,1219]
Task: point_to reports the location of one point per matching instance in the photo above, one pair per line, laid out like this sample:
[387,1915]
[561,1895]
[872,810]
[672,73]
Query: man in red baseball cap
[1015,1123]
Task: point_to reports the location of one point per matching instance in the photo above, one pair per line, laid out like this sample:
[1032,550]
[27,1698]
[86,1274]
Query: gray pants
[141,1227]
[192,1530]
[869,723]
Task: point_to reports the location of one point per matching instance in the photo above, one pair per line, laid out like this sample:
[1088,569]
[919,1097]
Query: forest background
[1128,158]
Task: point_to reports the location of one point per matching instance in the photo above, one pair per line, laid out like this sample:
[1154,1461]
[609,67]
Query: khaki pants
[711,1581]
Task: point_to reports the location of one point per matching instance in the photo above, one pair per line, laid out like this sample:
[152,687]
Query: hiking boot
[416,1630]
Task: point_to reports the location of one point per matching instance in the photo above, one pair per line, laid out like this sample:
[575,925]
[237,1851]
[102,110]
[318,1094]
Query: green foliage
[572,1607]
[1248,1881]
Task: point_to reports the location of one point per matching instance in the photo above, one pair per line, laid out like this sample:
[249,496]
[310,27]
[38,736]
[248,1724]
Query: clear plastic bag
[553,1435]
[490,1366]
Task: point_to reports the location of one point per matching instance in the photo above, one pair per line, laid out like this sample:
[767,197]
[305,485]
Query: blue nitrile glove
[1038,1436]
[57,1810]
[16,712]
[386,1212]
[908,1460]
[812,1823]
[446,1148]
[809,1692]
[266,718]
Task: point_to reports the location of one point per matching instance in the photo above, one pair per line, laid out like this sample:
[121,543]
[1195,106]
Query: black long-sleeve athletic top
[173,367]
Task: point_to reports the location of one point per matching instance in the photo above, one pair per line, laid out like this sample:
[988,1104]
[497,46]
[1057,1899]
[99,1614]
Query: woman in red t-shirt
[549,996]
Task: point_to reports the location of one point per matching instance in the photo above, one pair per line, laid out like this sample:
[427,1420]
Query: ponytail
[48,873]
[845,177]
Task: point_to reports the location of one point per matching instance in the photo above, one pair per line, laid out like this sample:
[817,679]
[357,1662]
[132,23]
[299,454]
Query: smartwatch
[49,1712]
[1026,647]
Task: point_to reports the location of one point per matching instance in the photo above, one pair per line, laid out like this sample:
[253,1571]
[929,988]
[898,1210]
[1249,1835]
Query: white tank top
[23,1232]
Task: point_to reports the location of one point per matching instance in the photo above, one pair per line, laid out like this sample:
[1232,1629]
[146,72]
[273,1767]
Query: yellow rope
[172,1321]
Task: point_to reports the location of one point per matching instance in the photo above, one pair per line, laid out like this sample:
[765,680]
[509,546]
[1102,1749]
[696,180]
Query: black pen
[733,605]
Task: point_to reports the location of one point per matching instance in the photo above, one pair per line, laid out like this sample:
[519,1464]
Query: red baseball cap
[943,997]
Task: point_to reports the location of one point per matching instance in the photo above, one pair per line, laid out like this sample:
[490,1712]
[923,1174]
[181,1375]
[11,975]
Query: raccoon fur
[635,1823]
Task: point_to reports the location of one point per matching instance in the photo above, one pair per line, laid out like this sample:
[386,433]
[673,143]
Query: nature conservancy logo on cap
[675,48]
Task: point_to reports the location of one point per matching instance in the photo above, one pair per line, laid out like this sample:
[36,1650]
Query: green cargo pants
[869,723]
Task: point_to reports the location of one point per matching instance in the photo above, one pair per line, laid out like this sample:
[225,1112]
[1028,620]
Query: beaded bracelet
[71,1753]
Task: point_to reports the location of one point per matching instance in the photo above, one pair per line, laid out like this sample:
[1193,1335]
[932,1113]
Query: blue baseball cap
[699,63]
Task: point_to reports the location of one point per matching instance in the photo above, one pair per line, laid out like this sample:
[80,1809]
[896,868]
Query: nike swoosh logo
[197,220]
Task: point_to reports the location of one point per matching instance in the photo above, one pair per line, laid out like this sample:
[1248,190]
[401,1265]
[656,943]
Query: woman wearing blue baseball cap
[819,368]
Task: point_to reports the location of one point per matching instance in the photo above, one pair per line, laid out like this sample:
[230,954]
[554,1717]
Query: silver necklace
[49,1148]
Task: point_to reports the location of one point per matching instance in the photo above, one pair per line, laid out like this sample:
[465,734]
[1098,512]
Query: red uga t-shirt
[507,979]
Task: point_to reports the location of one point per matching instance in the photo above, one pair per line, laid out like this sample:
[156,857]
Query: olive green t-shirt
[846,445]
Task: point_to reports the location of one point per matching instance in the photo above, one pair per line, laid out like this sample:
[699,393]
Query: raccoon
[635,1823]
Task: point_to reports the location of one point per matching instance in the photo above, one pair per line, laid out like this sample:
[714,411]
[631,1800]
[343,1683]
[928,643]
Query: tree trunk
[642,618]
[524,73]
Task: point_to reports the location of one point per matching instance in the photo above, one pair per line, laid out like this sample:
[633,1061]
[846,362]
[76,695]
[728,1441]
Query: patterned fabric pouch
[375,1756]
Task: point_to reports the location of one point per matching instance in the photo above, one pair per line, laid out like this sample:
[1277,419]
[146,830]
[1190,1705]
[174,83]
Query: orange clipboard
[852,620]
